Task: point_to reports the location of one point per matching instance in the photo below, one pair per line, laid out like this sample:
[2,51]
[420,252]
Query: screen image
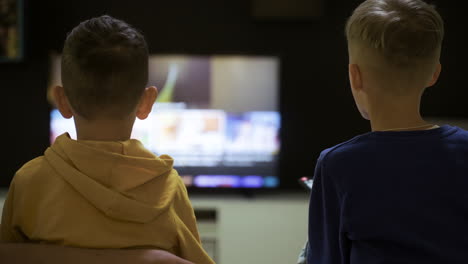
[217,116]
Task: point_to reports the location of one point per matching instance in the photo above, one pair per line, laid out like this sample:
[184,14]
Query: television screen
[217,116]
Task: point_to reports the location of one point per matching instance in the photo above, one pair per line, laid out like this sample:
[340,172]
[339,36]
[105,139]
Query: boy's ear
[61,102]
[435,75]
[146,102]
[355,77]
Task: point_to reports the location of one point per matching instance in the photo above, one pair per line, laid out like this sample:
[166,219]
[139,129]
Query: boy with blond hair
[397,194]
[103,190]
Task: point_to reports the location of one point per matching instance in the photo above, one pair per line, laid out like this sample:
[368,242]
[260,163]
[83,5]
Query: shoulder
[31,174]
[335,163]
[30,168]
[348,149]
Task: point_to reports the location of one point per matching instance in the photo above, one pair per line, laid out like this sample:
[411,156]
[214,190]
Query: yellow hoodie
[98,194]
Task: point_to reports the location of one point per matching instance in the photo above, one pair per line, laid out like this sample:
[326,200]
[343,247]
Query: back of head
[104,68]
[396,37]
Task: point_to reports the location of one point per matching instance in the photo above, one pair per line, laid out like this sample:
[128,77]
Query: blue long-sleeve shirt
[392,197]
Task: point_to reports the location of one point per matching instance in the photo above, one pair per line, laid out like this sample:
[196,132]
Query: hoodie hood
[122,179]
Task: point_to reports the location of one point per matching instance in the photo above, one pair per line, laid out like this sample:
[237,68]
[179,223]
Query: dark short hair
[104,68]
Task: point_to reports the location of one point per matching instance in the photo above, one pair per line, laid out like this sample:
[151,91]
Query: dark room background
[315,101]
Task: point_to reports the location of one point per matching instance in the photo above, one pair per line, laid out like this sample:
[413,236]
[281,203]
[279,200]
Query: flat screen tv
[217,116]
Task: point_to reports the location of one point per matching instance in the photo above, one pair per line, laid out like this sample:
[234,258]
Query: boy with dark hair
[103,190]
[397,194]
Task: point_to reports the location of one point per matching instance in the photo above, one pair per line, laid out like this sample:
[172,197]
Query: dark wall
[315,100]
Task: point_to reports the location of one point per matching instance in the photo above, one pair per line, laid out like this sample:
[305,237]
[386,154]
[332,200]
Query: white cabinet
[268,229]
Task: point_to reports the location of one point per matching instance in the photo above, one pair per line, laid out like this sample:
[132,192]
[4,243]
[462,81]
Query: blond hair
[403,31]
[401,39]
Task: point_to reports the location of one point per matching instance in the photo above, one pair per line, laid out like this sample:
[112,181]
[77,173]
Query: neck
[400,113]
[103,130]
